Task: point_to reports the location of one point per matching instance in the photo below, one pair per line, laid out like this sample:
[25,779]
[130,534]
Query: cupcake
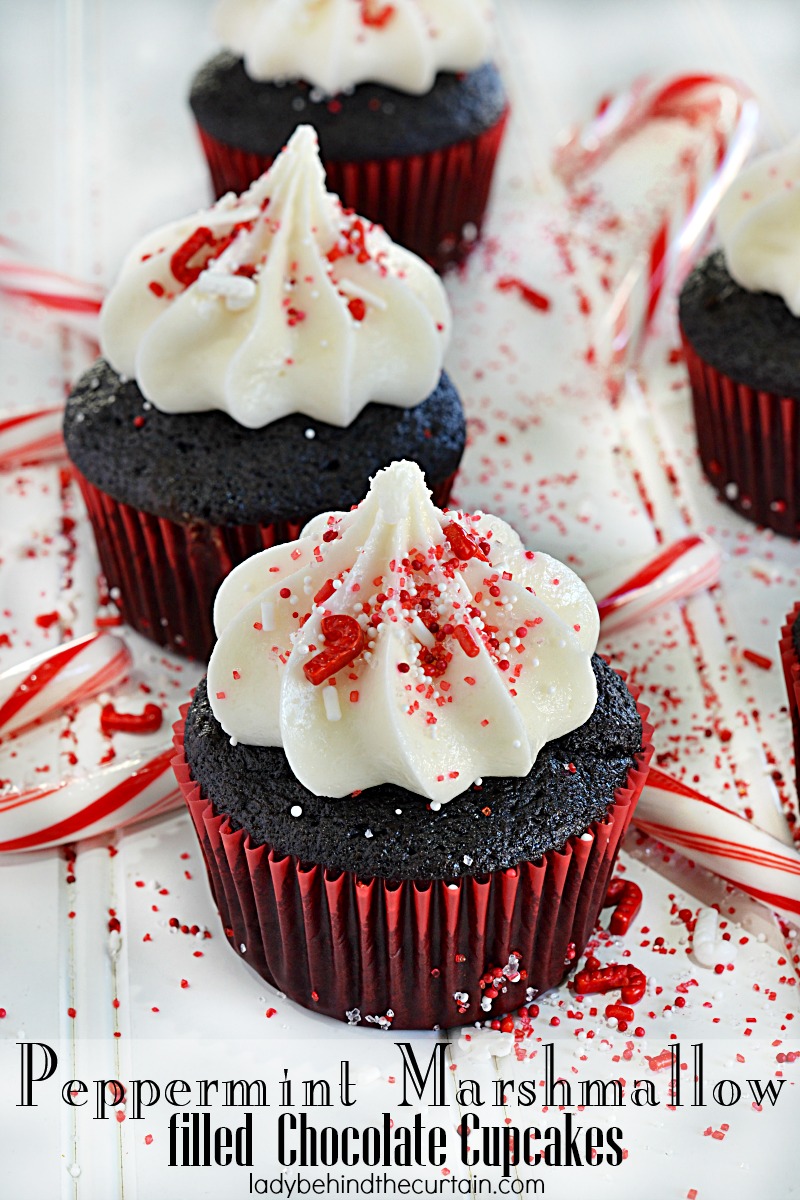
[790,660]
[262,360]
[409,108]
[408,771]
[739,315]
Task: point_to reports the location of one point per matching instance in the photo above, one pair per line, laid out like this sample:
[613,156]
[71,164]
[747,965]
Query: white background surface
[97,147]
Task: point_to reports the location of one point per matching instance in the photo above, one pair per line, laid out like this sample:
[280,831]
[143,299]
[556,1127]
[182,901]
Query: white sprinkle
[242,947]
[237,291]
[267,614]
[424,635]
[435,805]
[398,811]
[293,599]
[479,781]
[337,583]
[517,743]
[369,833]
[234,741]
[311,433]
[296,810]
[330,698]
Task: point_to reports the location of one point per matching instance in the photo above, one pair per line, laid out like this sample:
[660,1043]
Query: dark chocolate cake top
[392,833]
[372,121]
[206,467]
[750,336]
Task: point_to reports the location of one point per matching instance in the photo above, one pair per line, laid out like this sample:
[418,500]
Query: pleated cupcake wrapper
[749,444]
[165,574]
[431,203]
[407,955]
[791,675]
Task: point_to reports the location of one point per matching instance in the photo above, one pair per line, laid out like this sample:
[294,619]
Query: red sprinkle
[463,546]
[466,641]
[148,721]
[179,263]
[344,641]
[509,283]
[627,898]
[629,979]
[758,660]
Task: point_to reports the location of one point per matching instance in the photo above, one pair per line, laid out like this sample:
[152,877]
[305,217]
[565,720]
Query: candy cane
[627,594]
[70,674]
[29,438]
[50,289]
[142,786]
[720,840]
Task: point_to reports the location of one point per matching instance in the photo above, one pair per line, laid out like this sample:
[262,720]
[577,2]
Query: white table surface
[96,148]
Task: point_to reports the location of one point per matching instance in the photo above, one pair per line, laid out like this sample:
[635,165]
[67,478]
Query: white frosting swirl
[451,652]
[336,44]
[759,226]
[277,302]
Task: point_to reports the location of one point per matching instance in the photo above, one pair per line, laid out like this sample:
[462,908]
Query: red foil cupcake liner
[749,443]
[431,203]
[164,574]
[791,675]
[410,954]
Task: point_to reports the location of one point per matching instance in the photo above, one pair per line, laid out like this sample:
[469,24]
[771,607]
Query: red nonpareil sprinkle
[184,983]
[285,593]
[71,1013]
[509,283]
[358,309]
[149,720]
[148,1139]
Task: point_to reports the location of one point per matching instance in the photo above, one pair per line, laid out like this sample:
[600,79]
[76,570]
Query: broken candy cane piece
[84,806]
[630,593]
[718,839]
[31,438]
[60,678]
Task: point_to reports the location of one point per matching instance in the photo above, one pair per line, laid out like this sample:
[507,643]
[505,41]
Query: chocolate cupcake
[739,321]
[408,771]
[409,109]
[263,360]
